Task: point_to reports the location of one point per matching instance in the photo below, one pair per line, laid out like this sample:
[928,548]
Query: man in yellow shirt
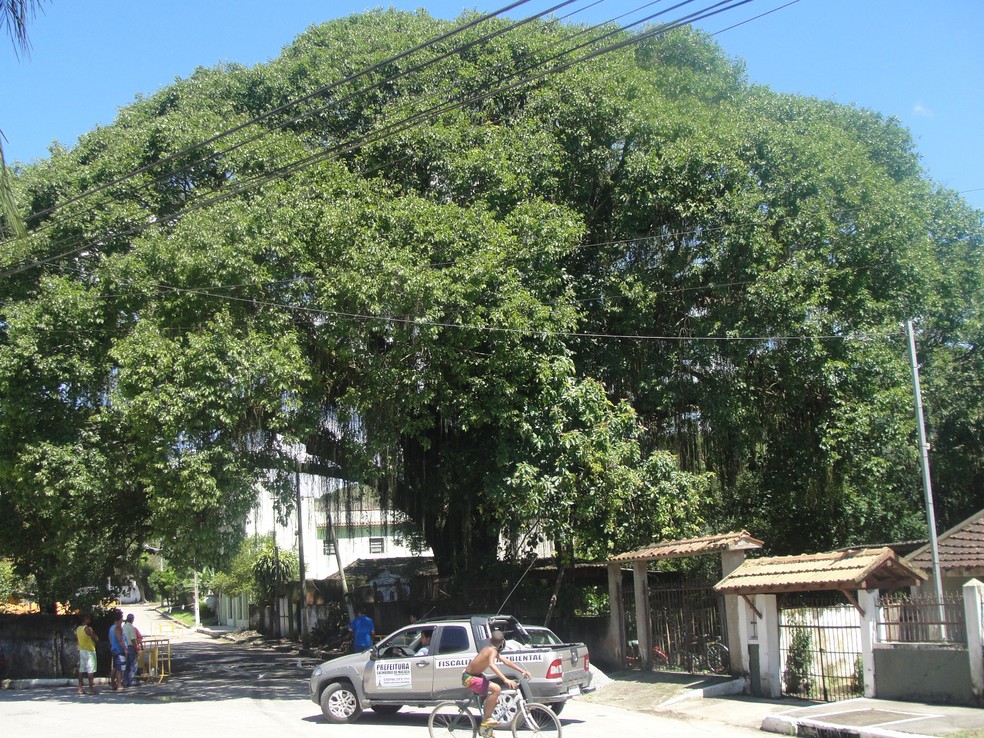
[87,638]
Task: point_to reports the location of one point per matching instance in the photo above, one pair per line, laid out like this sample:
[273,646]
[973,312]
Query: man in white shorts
[87,652]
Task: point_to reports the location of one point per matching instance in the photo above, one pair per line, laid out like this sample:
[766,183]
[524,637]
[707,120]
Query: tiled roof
[404,566]
[960,548]
[865,568]
[740,540]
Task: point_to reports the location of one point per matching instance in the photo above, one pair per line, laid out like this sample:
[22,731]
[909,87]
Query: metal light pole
[924,458]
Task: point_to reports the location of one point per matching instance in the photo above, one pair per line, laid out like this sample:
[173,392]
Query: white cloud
[921,110]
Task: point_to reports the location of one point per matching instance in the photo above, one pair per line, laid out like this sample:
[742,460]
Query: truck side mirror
[373,653]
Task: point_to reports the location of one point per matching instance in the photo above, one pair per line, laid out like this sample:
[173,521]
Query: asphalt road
[220,689]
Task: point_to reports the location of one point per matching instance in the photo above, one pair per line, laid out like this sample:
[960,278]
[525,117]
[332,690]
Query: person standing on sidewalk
[363,629]
[117,650]
[130,663]
[87,638]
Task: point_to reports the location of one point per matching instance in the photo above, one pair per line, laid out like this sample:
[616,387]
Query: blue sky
[921,61]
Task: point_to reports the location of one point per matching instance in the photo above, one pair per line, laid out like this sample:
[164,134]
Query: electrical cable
[387,81]
[215,155]
[412,121]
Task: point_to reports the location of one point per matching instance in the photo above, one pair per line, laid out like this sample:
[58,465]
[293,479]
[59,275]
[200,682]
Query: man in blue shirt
[363,629]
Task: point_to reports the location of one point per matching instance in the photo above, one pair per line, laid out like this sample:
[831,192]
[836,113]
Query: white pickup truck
[395,672]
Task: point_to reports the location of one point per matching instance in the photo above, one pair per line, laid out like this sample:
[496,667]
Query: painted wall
[923,674]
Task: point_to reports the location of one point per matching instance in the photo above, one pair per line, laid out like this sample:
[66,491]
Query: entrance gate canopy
[860,568]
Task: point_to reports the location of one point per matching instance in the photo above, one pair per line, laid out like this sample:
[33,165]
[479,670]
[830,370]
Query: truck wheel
[340,704]
[556,707]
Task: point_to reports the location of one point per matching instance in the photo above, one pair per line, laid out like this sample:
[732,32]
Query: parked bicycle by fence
[461,718]
[702,654]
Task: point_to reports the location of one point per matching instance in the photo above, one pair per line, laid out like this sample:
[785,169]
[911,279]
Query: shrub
[799,662]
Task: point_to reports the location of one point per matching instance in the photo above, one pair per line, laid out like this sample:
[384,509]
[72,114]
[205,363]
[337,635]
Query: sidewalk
[719,700]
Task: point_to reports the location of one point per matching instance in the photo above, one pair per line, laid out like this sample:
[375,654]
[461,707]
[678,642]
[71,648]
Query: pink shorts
[477,684]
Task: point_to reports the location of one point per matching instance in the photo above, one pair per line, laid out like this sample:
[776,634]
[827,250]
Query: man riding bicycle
[474,677]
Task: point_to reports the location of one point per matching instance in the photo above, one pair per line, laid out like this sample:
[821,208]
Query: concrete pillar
[615,640]
[973,593]
[644,628]
[868,601]
[736,639]
[770,667]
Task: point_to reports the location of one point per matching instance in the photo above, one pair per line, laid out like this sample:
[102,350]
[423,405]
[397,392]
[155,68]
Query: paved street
[227,689]
[251,708]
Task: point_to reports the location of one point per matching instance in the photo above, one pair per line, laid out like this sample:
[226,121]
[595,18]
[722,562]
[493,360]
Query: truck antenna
[532,561]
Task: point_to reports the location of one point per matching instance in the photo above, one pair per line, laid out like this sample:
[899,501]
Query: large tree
[633,297]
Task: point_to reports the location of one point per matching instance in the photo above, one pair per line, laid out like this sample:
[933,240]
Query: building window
[376,545]
[328,546]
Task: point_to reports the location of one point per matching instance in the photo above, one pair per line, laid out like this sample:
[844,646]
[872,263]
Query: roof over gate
[865,568]
[961,549]
[737,541]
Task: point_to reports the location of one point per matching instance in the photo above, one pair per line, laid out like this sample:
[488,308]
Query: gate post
[868,602]
[734,633]
[770,671]
[644,626]
[616,618]
[973,593]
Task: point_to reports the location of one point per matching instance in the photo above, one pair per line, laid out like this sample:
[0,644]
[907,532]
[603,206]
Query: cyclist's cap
[497,639]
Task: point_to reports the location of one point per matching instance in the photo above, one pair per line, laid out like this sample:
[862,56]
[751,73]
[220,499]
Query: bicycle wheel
[718,658]
[660,661]
[535,719]
[452,720]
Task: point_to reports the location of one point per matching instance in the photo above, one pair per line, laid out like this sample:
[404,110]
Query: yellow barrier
[154,659]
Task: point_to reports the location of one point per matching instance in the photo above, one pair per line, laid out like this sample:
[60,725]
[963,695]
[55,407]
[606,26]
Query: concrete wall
[922,673]
[43,646]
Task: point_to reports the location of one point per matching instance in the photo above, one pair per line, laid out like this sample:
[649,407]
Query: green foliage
[272,568]
[639,298]
[857,678]
[238,578]
[799,662]
[172,586]
[9,583]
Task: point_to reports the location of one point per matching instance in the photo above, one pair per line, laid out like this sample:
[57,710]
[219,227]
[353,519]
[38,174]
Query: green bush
[799,663]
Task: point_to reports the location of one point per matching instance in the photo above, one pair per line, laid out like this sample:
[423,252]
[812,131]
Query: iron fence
[820,651]
[906,618]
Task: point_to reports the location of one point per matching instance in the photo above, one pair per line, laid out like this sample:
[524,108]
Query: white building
[362,529]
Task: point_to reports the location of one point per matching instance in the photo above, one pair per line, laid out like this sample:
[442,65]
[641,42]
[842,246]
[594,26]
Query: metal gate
[820,649]
[686,618]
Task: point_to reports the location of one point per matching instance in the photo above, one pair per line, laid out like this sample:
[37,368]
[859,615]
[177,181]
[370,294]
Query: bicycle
[455,719]
[703,654]
[633,658]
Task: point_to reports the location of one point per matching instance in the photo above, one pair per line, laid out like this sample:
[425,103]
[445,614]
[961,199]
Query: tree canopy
[633,297]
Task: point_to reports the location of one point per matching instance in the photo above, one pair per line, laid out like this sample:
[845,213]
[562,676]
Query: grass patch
[187,617]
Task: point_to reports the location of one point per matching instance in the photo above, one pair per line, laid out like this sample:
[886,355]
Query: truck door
[454,651]
[399,673]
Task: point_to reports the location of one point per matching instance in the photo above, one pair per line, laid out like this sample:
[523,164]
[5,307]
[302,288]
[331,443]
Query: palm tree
[14,14]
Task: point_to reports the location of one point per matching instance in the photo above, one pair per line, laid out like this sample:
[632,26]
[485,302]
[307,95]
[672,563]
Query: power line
[317,93]
[322,91]
[420,117]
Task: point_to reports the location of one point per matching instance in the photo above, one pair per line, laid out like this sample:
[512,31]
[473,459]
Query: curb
[49,682]
[734,686]
[815,728]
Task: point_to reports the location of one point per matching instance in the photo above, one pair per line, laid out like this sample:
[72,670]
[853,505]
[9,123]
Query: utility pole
[924,459]
[338,560]
[198,617]
[300,556]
